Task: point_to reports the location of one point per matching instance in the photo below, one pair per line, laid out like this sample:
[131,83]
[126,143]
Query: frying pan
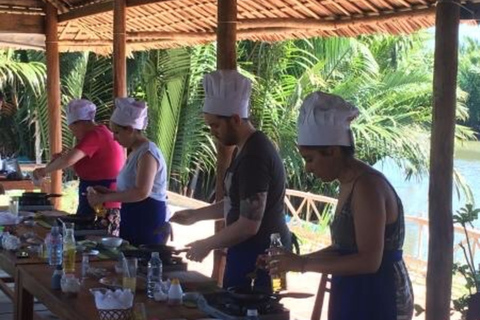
[41,195]
[247,294]
[162,249]
[36,198]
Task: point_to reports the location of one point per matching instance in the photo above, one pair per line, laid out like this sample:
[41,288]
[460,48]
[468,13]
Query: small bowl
[30,223]
[111,242]
[101,290]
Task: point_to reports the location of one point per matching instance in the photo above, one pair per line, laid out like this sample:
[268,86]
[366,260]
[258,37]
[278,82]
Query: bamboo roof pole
[440,247]
[226,59]
[119,48]
[53,94]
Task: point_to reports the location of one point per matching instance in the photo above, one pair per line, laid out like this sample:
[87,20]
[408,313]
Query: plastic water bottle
[154,275]
[252,314]
[54,245]
[85,265]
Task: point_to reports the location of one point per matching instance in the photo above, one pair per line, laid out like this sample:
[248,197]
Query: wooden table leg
[6,289]
[23,306]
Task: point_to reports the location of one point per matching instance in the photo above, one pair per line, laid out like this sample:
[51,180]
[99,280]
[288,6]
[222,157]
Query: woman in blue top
[142,183]
[369,277]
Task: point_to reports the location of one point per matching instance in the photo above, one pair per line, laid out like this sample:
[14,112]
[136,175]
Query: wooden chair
[323,287]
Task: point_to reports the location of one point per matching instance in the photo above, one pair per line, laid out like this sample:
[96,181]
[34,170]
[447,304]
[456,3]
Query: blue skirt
[368,296]
[140,220]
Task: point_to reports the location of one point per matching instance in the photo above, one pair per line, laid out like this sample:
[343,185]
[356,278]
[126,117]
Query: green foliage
[465,217]
[469,80]
[388,78]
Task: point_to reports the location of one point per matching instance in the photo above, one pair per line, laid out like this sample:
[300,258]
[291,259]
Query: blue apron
[240,262]
[84,207]
[140,220]
[367,296]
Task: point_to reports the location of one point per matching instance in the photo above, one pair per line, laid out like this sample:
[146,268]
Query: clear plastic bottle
[279,281]
[252,314]
[69,250]
[57,277]
[154,275]
[85,265]
[54,246]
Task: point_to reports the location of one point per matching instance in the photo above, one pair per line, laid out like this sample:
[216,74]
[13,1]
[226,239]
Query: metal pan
[40,195]
[247,294]
[161,248]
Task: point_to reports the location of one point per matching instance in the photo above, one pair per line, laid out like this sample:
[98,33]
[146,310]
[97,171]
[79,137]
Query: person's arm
[147,167]
[247,225]
[254,182]
[65,161]
[328,251]
[85,148]
[190,216]
[368,204]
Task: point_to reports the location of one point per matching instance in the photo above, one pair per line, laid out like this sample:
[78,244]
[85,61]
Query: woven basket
[116,314]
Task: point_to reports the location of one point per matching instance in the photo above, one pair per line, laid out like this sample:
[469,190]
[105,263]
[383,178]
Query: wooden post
[226,59]
[119,48]
[53,93]
[440,248]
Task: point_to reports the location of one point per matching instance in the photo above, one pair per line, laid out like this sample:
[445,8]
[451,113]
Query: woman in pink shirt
[97,159]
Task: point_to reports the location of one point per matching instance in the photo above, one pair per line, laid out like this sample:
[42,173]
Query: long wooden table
[9,261]
[34,281]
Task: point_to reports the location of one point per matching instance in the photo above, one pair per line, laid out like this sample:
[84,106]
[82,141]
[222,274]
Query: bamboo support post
[119,48]
[53,94]
[226,59]
[440,253]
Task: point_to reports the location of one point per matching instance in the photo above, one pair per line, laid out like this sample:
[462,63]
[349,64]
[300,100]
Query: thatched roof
[88,24]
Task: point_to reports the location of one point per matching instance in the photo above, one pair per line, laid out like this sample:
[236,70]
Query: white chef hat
[80,109]
[324,120]
[129,112]
[227,92]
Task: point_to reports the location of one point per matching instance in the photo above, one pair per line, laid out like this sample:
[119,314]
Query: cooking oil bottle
[69,249]
[279,281]
[100,210]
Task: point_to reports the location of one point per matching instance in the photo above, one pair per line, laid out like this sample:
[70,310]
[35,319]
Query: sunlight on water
[414,193]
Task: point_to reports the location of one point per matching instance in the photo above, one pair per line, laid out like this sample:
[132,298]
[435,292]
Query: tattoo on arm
[253,207]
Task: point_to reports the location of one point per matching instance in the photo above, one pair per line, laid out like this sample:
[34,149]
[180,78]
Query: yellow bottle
[69,250]
[279,280]
[100,210]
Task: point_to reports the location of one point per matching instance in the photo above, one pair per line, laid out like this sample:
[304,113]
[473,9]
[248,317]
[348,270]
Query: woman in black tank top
[369,277]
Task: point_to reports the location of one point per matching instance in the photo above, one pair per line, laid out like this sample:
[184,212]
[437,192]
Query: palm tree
[23,81]
[469,80]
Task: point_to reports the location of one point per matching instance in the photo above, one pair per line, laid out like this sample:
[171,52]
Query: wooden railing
[308,203]
[420,262]
[301,205]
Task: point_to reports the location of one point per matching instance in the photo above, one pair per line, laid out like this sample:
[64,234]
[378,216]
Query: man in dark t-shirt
[253,206]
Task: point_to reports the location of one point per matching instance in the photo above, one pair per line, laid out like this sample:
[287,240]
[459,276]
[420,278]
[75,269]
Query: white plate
[26,214]
[111,282]
[92,252]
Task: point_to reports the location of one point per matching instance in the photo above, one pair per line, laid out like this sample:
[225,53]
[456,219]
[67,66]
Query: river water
[414,195]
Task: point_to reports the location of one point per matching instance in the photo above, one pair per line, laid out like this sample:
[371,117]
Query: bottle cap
[275,236]
[155,255]
[252,313]
[175,281]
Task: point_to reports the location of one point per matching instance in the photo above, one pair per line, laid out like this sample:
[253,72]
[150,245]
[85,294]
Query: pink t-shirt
[104,157]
